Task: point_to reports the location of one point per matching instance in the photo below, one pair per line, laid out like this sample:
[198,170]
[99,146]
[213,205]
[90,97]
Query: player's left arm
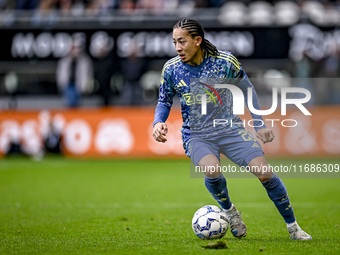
[262,132]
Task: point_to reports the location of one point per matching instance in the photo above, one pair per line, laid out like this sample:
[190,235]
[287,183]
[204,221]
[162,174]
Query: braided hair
[195,29]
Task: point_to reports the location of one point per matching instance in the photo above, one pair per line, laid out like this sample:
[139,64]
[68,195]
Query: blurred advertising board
[273,42]
[127,132]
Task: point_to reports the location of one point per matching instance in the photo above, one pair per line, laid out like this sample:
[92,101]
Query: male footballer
[198,65]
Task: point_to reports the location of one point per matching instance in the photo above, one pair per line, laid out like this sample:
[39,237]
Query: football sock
[218,189]
[291,224]
[277,192]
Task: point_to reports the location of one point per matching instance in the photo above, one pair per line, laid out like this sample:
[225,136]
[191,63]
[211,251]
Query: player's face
[188,48]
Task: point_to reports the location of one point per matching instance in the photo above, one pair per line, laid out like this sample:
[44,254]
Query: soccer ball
[210,222]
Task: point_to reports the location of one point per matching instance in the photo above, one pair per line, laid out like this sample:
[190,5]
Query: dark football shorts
[238,145]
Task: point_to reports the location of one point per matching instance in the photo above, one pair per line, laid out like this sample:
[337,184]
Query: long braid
[195,29]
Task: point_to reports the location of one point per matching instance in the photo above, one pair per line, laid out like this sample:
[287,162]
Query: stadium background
[113,189]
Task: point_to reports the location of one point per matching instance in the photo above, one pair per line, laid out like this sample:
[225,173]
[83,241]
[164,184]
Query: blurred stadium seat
[233,13]
[286,12]
[260,13]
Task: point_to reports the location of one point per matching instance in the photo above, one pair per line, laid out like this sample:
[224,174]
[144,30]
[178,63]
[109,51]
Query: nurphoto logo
[239,101]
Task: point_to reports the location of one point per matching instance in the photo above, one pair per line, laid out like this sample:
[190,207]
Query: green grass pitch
[70,206]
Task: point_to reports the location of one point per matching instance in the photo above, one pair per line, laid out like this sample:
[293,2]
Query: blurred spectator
[55,4]
[11,85]
[132,69]
[104,66]
[103,6]
[52,133]
[52,141]
[11,143]
[35,139]
[74,74]
[76,6]
[201,4]
[128,6]
[305,68]
[332,70]
[155,7]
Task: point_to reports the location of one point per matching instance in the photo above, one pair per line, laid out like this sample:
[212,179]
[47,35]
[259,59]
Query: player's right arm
[165,100]
[160,130]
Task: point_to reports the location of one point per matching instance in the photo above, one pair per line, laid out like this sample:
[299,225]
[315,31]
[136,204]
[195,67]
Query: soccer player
[198,66]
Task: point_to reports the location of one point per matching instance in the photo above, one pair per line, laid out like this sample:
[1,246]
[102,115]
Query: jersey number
[246,136]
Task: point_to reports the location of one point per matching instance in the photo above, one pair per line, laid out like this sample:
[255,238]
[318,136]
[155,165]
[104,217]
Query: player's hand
[159,132]
[266,135]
